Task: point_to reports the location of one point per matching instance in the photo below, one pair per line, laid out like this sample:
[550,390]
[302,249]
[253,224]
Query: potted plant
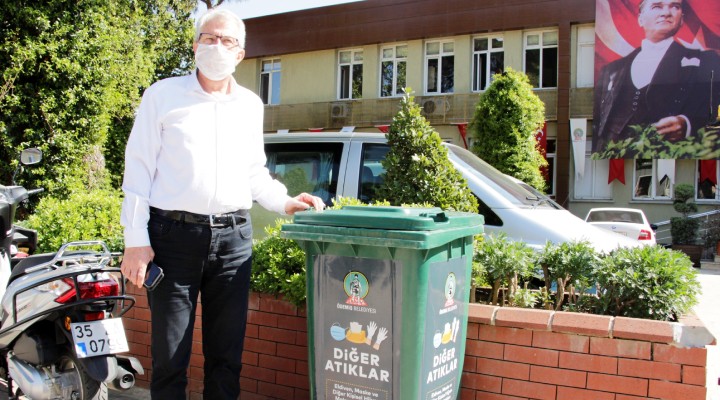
[684,230]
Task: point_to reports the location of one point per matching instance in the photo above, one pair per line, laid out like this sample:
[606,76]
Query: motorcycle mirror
[31,156]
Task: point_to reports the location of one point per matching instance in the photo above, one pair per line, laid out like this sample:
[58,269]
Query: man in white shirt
[661,83]
[194,163]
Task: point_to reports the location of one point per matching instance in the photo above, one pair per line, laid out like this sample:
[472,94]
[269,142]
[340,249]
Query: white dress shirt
[193,151]
[647,61]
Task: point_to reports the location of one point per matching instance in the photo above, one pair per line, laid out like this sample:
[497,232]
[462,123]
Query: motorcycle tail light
[94,316]
[89,288]
[645,235]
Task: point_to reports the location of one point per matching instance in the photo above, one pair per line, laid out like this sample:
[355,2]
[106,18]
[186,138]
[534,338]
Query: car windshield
[519,194]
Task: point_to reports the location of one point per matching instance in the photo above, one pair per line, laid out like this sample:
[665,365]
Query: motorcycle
[61,313]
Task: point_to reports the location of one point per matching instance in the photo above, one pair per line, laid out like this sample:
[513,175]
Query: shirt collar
[660,46]
[193,85]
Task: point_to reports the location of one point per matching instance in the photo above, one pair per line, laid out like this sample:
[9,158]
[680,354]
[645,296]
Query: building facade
[346,65]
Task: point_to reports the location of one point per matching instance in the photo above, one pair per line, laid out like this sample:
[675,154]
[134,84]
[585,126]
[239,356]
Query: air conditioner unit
[339,110]
[435,106]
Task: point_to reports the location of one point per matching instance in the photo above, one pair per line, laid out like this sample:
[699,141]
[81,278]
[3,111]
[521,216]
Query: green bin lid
[391,218]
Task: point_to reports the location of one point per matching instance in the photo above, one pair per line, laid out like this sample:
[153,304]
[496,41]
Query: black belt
[211,220]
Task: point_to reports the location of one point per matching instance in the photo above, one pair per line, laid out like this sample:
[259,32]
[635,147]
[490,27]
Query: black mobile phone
[153,276]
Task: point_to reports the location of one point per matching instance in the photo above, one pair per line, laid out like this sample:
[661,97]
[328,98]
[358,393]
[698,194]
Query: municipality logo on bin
[356,288]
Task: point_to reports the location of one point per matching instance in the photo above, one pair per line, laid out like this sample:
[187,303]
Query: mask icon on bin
[337,332]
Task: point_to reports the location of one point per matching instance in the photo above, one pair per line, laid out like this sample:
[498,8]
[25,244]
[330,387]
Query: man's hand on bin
[302,202]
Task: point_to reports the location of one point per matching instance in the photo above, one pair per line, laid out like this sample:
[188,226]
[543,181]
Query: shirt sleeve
[140,163]
[268,192]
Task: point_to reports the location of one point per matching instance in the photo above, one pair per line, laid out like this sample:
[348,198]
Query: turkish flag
[708,170]
[617,170]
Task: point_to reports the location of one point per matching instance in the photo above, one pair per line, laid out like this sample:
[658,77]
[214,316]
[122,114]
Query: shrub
[684,230]
[278,265]
[646,282]
[93,215]
[568,264]
[505,262]
[507,118]
[417,168]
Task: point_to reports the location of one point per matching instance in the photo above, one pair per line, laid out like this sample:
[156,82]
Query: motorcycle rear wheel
[90,389]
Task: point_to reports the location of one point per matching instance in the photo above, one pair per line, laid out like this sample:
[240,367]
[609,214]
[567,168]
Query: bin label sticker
[444,326]
[352,323]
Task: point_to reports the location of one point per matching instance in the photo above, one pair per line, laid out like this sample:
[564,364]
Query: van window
[371,170]
[306,167]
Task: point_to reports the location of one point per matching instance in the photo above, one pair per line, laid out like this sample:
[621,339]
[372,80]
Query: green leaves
[417,166]
[279,266]
[81,216]
[648,282]
[646,143]
[506,119]
[72,75]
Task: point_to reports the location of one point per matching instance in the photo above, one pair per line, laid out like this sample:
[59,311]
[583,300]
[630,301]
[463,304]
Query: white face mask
[215,61]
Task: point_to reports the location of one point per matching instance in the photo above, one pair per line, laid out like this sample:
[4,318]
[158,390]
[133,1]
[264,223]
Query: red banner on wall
[617,170]
[708,170]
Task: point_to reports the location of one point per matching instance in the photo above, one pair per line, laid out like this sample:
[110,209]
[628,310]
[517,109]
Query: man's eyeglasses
[227,41]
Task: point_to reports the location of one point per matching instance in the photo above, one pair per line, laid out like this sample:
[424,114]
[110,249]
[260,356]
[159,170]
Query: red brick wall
[511,354]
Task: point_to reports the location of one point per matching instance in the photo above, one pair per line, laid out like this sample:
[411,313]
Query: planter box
[694,251]
[511,353]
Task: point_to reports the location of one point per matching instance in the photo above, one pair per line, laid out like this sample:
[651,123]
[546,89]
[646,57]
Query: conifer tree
[418,170]
[504,126]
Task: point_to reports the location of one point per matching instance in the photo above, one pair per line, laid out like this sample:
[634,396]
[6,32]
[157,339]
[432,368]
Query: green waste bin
[388,291]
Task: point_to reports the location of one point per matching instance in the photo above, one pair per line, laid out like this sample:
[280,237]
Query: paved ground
[706,310]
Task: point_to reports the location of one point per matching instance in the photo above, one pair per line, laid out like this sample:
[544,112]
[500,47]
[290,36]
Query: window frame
[652,185]
[707,200]
[597,171]
[272,74]
[351,71]
[541,47]
[581,69]
[396,91]
[476,78]
[439,57]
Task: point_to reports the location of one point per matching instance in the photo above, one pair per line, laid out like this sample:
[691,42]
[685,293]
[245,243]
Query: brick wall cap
[523,318]
[583,324]
[643,329]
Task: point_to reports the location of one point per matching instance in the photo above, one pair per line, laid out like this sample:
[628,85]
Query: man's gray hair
[642,4]
[225,16]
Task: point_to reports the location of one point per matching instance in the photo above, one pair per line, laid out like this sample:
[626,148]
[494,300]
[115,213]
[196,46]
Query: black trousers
[214,262]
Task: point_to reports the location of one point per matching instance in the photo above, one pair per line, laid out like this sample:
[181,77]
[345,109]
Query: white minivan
[349,164]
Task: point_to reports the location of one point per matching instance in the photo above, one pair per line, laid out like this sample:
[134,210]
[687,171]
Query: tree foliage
[506,119]
[72,75]
[417,168]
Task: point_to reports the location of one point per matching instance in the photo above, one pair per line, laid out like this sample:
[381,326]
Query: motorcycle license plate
[96,338]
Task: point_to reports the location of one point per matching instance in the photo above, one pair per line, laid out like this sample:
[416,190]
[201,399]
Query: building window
[541,58]
[593,185]
[439,67]
[549,173]
[393,70]
[652,180]
[270,81]
[707,172]
[350,74]
[585,57]
[488,60]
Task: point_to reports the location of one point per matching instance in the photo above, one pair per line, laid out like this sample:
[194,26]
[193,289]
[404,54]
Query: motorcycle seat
[29,262]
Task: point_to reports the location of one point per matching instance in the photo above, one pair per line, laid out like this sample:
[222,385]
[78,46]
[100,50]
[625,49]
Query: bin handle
[435,216]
